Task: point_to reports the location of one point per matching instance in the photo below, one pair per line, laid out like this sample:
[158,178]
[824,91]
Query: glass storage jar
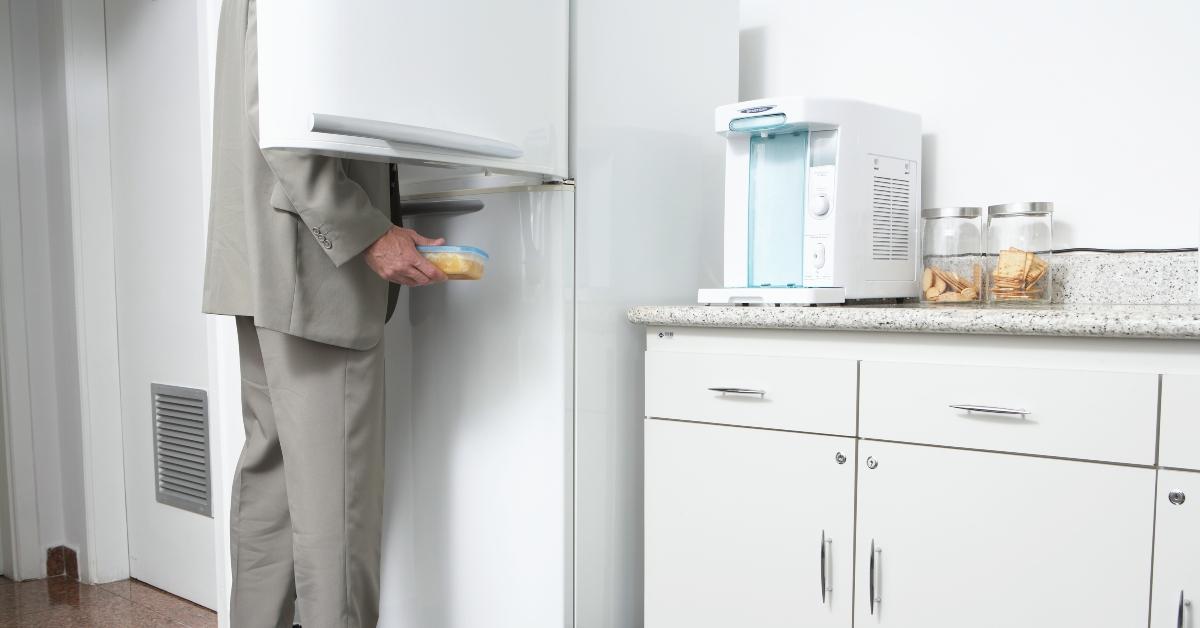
[1020,239]
[951,255]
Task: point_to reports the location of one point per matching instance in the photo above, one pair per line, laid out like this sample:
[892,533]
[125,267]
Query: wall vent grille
[891,216]
[181,448]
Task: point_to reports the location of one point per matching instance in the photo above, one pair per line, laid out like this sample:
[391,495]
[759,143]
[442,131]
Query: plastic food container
[1020,240]
[458,262]
[951,255]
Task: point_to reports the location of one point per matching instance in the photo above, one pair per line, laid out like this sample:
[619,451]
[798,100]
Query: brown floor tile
[120,587]
[124,614]
[41,595]
[63,603]
[176,608]
[8,598]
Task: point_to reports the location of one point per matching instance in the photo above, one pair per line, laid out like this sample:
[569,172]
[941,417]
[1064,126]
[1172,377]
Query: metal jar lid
[951,212]
[1021,209]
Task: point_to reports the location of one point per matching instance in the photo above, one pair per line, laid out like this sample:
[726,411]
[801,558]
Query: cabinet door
[1179,440]
[1176,600]
[742,525]
[474,82]
[990,540]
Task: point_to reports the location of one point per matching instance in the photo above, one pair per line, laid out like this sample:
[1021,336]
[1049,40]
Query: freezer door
[473,82]
[478,527]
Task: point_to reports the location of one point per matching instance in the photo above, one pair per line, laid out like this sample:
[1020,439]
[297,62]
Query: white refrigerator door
[473,82]
[478,529]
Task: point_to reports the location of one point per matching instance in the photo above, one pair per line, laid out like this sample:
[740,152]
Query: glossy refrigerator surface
[494,71]
[479,512]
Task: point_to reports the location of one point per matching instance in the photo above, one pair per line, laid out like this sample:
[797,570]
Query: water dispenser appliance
[821,199]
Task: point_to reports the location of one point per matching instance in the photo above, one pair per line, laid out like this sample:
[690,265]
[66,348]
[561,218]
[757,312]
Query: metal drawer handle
[826,550]
[876,555]
[1182,604]
[991,410]
[740,391]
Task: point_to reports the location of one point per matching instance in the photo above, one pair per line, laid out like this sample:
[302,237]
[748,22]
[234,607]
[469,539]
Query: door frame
[16,417]
[86,78]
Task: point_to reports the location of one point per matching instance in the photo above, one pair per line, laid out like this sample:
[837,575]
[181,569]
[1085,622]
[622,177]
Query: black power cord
[1085,249]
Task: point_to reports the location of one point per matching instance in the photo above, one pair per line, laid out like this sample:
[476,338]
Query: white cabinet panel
[779,392]
[494,71]
[734,525]
[1091,415]
[997,541]
[1177,552]
[1179,444]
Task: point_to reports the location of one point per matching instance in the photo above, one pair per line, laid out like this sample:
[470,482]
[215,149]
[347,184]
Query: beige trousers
[307,505]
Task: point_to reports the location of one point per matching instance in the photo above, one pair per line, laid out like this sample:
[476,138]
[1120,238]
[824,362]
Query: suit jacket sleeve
[335,209]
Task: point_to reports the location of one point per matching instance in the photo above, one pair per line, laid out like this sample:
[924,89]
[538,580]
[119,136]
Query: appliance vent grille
[891,200]
[181,455]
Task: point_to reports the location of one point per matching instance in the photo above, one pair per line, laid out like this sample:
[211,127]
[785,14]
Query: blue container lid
[453,249]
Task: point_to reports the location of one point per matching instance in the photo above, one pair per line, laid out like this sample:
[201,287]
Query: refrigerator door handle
[410,134]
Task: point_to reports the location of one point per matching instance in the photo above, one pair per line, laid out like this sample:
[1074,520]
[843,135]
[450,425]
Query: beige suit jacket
[287,230]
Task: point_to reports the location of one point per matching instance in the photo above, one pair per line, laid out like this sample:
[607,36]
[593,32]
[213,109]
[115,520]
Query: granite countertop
[1082,320]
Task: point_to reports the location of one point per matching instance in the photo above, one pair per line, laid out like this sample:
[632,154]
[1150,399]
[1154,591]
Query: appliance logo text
[757,109]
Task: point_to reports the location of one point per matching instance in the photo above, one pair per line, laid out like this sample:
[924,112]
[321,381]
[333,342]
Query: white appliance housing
[515,415]
[461,82]
[856,210]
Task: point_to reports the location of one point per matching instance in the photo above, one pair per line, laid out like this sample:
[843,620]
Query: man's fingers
[415,276]
[423,241]
[433,273]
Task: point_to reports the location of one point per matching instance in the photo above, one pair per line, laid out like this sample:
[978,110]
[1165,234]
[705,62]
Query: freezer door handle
[410,134]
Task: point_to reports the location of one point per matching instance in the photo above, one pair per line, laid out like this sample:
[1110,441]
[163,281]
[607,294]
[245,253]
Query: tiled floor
[64,603]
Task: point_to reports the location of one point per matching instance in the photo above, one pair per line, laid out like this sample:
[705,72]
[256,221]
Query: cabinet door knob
[872,462]
[840,458]
[1176,497]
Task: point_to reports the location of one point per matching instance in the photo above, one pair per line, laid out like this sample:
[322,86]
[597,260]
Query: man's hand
[395,258]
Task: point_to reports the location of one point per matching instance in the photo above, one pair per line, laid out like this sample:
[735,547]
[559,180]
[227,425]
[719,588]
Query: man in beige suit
[300,254]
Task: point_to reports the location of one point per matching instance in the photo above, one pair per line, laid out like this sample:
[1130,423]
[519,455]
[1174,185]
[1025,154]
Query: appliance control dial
[820,206]
[818,255]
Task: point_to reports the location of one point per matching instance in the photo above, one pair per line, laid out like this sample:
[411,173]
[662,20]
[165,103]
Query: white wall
[1087,103]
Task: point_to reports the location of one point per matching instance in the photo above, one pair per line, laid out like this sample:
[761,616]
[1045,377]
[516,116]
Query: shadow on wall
[752,45]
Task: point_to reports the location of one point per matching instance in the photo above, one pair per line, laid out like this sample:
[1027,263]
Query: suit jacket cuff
[348,239]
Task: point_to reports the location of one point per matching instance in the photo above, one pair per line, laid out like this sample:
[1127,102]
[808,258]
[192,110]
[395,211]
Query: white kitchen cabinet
[1176,600]
[992,540]
[472,82]
[736,521]
[1071,413]
[779,392]
[1179,439]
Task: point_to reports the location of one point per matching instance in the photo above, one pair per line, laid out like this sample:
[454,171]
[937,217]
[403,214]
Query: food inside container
[1018,276]
[952,254]
[940,284]
[458,262]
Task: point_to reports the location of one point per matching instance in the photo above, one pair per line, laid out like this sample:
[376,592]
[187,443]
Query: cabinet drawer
[1091,415]
[1179,443]
[779,392]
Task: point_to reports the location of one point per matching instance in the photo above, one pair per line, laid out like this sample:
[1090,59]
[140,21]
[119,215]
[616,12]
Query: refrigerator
[515,403]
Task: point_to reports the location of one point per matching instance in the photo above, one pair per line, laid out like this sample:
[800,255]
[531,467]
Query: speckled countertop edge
[1092,321]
